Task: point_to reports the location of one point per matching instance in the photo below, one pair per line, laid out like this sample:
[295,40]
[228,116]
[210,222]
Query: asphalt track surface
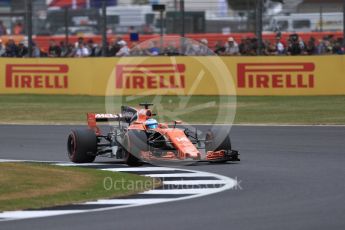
[289,177]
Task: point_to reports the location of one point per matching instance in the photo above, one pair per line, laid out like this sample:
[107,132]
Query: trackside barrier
[303,75]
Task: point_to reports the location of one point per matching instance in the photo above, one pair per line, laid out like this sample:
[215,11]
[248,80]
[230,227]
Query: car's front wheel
[216,142]
[134,142]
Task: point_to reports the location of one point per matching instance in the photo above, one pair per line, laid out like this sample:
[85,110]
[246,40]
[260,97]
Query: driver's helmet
[151,124]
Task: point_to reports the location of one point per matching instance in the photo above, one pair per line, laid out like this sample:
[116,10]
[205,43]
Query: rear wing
[93,118]
[128,114]
[103,117]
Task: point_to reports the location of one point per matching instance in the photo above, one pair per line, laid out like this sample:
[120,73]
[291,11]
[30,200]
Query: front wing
[211,156]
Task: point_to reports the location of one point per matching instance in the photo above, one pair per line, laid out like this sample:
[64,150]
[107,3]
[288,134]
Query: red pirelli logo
[275,75]
[36,76]
[156,76]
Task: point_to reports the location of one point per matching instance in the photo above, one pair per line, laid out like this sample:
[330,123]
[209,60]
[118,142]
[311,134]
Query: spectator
[192,49]
[64,49]
[280,47]
[153,49]
[171,49]
[22,50]
[294,47]
[81,51]
[321,48]
[35,50]
[115,47]
[11,48]
[3,30]
[329,47]
[204,50]
[71,50]
[124,50]
[92,48]
[79,41]
[253,46]
[219,48]
[241,45]
[311,48]
[337,48]
[248,46]
[43,53]
[232,47]
[54,50]
[99,50]
[271,48]
[244,46]
[302,45]
[18,28]
[2,49]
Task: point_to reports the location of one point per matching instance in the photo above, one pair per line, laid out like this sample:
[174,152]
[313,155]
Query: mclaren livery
[136,137]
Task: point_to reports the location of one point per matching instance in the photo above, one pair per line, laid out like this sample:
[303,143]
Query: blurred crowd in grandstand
[294,45]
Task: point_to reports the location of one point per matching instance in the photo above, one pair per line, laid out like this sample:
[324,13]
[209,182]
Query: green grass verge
[291,110]
[36,185]
[45,109]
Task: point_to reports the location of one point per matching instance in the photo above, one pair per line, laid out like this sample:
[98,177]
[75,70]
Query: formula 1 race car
[137,138]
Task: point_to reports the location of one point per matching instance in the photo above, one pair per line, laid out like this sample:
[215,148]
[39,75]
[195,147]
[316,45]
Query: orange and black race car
[136,138]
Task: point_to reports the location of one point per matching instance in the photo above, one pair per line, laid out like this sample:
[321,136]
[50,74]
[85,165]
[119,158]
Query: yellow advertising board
[303,75]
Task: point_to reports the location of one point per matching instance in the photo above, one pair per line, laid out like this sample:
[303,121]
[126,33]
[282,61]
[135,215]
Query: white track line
[193,182]
[33,161]
[129,201]
[33,214]
[5,160]
[201,174]
[191,192]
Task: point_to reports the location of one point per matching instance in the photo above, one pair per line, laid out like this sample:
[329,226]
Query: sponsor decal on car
[182,139]
[36,76]
[150,76]
[106,115]
[276,75]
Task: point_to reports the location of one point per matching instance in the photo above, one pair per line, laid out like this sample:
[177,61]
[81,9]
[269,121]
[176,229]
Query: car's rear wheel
[82,146]
[135,141]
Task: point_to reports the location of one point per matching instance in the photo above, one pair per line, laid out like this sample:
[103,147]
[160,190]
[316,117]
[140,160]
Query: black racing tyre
[135,142]
[82,146]
[132,161]
[217,141]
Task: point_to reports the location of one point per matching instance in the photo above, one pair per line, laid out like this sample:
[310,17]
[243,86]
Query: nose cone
[183,144]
